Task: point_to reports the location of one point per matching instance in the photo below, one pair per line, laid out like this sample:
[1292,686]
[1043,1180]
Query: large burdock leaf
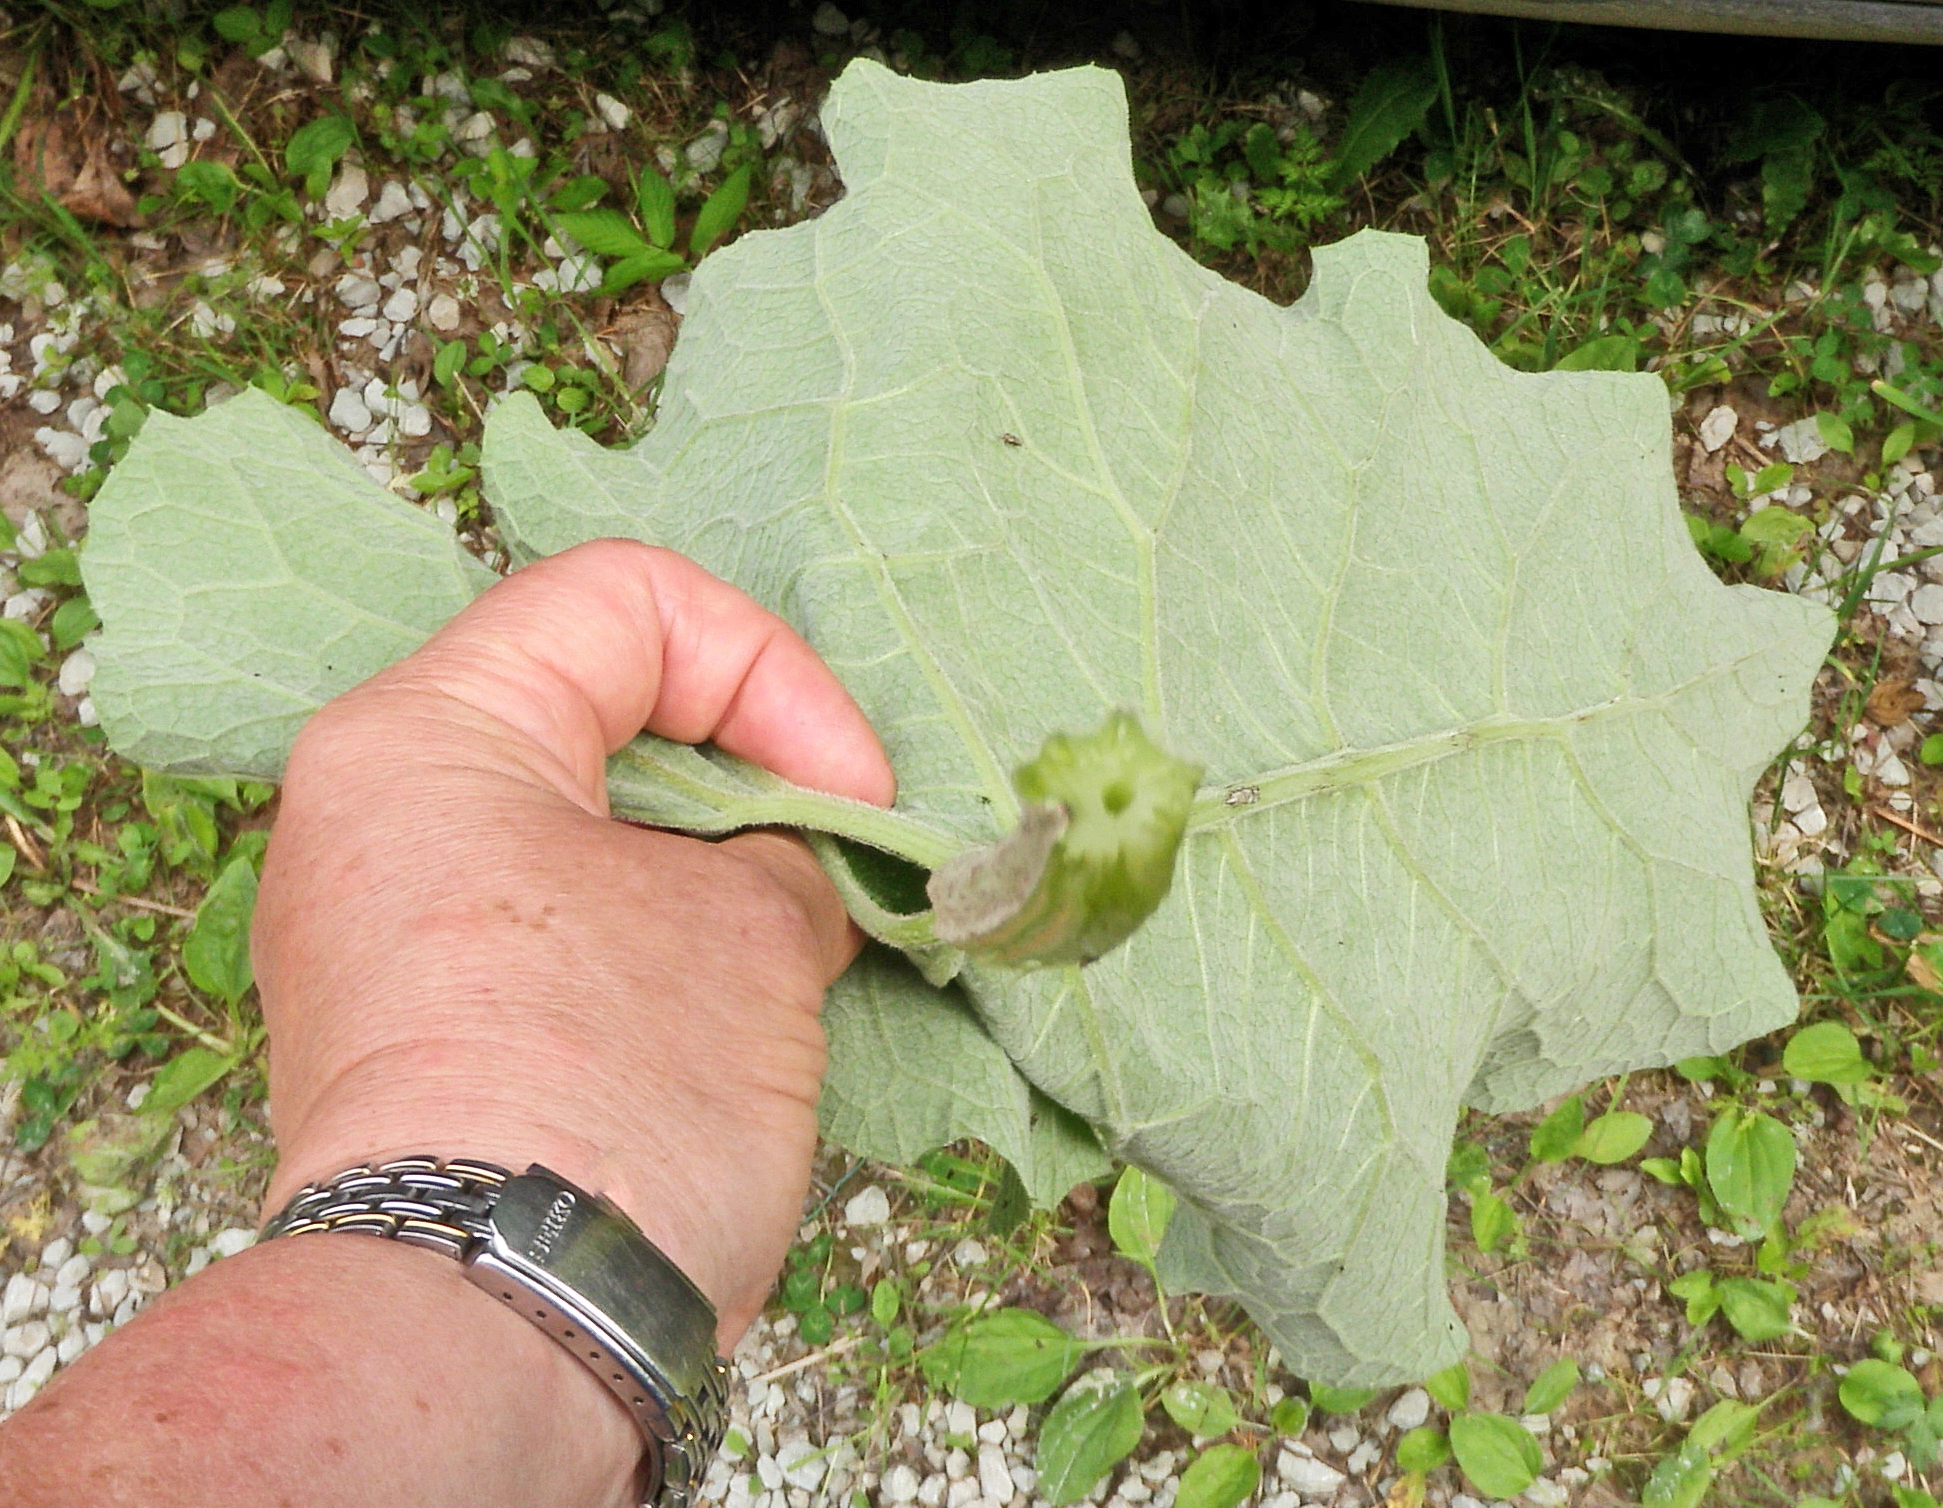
[1478,727]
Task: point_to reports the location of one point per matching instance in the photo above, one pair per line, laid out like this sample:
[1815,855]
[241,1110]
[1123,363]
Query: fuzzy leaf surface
[1479,727]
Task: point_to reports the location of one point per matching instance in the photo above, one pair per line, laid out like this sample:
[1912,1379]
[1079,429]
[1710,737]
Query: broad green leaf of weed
[1835,432]
[1603,353]
[109,1150]
[1493,1222]
[580,193]
[1882,1394]
[211,184]
[1423,1449]
[998,1360]
[649,266]
[182,1078]
[1094,1426]
[1451,1387]
[1222,1476]
[1328,1400]
[1469,1168]
[1726,1429]
[885,1302]
[1826,1053]
[1391,103]
[216,953]
[1137,1214]
[1699,1292]
[56,567]
[1497,1455]
[1680,1480]
[1750,1168]
[605,232]
[1551,1387]
[655,198]
[1614,1137]
[1204,1409]
[20,651]
[314,149]
[1555,1137]
[72,622]
[1290,1417]
[719,212]
[1757,1308]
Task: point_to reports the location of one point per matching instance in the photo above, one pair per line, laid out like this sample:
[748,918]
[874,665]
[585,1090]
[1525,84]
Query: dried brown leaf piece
[645,335]
[66,155]
[1892,702]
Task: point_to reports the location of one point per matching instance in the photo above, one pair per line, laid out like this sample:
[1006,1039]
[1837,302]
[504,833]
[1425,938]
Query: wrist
[397,1110]
[341,1369]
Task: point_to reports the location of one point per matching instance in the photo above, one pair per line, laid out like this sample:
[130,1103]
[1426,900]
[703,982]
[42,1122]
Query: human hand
[459,952]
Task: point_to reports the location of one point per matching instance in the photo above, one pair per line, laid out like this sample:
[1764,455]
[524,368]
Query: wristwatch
[571,1263]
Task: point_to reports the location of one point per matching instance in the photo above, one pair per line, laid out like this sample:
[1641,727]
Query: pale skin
[459,953]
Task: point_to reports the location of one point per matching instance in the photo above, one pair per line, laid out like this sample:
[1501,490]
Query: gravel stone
[1410,1410]
[872,1206]
[393,203]
[994,1474]
[1672,1396]
[443,312]
[802,1463]
[829,21]
[25,1339]
[1307,1475]
[1345,1438]
[931,1491]
[348,412]
[347,194]
[958,1466]
[1545,1493]
[900,1484]
[17,1303]
[64,1300]
[1718,427]
[10,1368]
[613,114]
[236,1239]
[71,1346]
[960,1419]
[167,129]
[77,670]
[1801,442]
[56,1254]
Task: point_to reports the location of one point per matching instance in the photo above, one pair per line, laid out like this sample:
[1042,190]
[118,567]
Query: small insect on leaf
[1011,439]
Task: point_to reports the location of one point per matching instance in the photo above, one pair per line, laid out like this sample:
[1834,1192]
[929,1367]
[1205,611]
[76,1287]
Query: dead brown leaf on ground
[70,156]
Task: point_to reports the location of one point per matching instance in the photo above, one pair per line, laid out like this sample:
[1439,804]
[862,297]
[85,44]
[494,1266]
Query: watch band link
[447,1206]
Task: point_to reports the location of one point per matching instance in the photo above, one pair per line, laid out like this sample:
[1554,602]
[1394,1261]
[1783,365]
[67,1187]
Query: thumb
[577,653]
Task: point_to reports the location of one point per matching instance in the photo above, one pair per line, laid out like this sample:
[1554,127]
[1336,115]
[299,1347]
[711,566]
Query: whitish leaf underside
[1479,727]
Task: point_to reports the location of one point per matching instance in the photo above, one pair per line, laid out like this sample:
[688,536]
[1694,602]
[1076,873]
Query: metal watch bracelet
[573,1265]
